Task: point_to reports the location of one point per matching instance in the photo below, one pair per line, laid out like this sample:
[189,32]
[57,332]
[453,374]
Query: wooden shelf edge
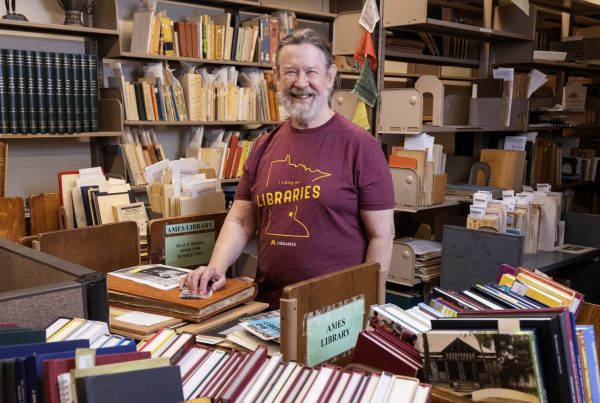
[199,123]
[58,136]
[57,28]
[129,55]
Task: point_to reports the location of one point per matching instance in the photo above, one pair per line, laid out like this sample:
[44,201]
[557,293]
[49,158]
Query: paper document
[142,318]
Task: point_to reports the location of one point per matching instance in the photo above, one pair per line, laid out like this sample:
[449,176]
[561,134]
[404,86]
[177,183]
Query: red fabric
[366,48]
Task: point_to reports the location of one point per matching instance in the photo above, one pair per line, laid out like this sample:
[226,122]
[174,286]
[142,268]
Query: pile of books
[154,288]
[258,377]
[30,371]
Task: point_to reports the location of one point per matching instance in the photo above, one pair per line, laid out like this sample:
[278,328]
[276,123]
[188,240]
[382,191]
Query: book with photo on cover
[483,364]
[155,275]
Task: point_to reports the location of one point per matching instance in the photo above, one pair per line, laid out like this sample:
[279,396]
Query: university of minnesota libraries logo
[296,185]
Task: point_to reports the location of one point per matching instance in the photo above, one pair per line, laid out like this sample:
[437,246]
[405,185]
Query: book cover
[30,89]
[3,101]
[39,90]
[11,90]
[92,72]
[21,91]
[128,293]
[69,91]
[483,364]
[59,94]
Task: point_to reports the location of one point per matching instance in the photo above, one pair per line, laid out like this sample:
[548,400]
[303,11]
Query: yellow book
[155,38]
[507,280]
[167,36]
[565,298]
[67,329]
[157,341]
[532,292]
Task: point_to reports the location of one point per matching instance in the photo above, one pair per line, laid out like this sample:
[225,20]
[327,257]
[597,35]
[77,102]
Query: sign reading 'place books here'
[335,331]
[189,244]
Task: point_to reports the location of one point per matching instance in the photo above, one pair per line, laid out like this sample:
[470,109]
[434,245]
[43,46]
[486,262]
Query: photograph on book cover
[155,275]
[483,364]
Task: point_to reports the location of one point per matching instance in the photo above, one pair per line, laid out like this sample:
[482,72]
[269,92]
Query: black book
[11,91]
[86,122]
[139,100]
[39,62]
[30,82]
[93,91]
[548,333]
[20,76]
[59,93]
[9,381]
[493,297]
[77,92]
[4,127]
[69,95]
[161,384]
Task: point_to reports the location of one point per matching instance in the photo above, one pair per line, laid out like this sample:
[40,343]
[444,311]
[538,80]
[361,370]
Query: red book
[232,150]
[188,39]
[331,384]
[54,368]
[230,376]
[236,161]
[376,352]
[194,39]
[297,385]
[181,37]
[229,361]
[247,371]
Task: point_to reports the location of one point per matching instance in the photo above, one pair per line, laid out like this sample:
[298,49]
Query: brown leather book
[132,295]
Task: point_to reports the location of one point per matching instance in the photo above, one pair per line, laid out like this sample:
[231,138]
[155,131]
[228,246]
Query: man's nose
[301,80]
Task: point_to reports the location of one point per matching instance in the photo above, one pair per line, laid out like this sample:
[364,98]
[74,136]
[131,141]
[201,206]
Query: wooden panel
[12,218]
[44,210]
[102,248]
[321,293]
[3,167]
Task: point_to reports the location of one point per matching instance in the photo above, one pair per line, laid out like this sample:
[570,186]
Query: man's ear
[332,72]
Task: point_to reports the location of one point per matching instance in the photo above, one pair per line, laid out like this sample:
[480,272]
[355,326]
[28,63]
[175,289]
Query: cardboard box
[213,202]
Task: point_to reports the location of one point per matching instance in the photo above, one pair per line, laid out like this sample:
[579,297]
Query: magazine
[155,275]
[265,325]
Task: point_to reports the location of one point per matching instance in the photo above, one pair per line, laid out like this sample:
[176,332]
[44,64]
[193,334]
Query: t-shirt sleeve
[376,191]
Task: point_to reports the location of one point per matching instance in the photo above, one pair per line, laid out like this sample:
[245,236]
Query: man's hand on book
[203,279]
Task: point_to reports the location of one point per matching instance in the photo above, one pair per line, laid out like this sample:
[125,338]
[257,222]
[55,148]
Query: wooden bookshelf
[59,136]
[129,55]
[192,123]
[56,28]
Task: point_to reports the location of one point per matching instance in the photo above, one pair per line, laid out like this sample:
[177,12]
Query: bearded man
[316,191]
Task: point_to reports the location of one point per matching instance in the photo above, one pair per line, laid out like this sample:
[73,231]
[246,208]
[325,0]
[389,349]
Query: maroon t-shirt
[307,187]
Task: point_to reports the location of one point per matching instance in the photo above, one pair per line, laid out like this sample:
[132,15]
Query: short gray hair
[307,36]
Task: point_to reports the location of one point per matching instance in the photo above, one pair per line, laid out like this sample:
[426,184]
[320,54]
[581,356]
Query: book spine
[59,93]
[93,91]
[11,91]
[40,91]
[68,92]
[3,105]
[30,83]
[86,123]
[20,75]
[139,100]
[77,93]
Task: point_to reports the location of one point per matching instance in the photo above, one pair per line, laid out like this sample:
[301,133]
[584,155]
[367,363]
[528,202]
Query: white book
[339,388]
[361,387]
[190,358]
[160,350]
[154,344]
[401,314]
[353,383]
[323,375]
[422,394]
[100,341]
[195,380]
[370,388]
[55,326]
[259,382]
[67,329]
[177,344]
[287,384]
[307,385]
[267,389]
[95,332]
[283,378]
[383,387]
[251,381]
[141,32]
[79,331]
[403,390]
[481,300]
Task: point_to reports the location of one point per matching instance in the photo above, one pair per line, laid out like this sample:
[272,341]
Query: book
[162,384]
[157,276]
[127,293]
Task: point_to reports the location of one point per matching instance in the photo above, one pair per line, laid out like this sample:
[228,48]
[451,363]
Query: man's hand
[198,280]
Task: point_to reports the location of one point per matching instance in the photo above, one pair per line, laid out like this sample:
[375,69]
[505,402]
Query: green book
[11,91]
[69,95]
[22,336]
[59,93]
[3,105]
[86,118]
[30,80]
[22,111]
[93,91]
[40,91]
[49,91]
[76,75]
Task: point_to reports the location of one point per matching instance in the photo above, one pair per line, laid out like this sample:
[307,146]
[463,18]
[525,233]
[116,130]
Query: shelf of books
[56,28]
[59,136]
[195,59]
[193,123]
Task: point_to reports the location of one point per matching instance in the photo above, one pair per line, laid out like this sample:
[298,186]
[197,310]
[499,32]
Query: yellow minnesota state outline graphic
[298,182]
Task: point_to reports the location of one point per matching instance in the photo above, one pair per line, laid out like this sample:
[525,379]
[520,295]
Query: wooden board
[3,167]
[158,237]
[12,218]
[590,315]
[102,248]
[44,210]
[317,294]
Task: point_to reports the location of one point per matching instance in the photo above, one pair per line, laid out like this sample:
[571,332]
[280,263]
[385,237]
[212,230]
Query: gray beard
[302,113]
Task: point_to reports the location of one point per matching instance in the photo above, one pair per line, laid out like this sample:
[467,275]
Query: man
[317,188]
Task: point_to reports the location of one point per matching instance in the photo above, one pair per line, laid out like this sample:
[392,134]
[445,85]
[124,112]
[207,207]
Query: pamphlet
[155,275]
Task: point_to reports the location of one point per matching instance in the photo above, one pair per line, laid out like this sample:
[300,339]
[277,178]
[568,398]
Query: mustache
[296,92]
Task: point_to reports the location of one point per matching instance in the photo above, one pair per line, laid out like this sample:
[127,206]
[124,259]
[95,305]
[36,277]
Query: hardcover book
[129,294]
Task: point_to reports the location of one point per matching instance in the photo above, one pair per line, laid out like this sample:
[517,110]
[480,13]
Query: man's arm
[238,228]
[379,225]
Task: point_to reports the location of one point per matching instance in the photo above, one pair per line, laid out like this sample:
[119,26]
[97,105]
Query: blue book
[24,350]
